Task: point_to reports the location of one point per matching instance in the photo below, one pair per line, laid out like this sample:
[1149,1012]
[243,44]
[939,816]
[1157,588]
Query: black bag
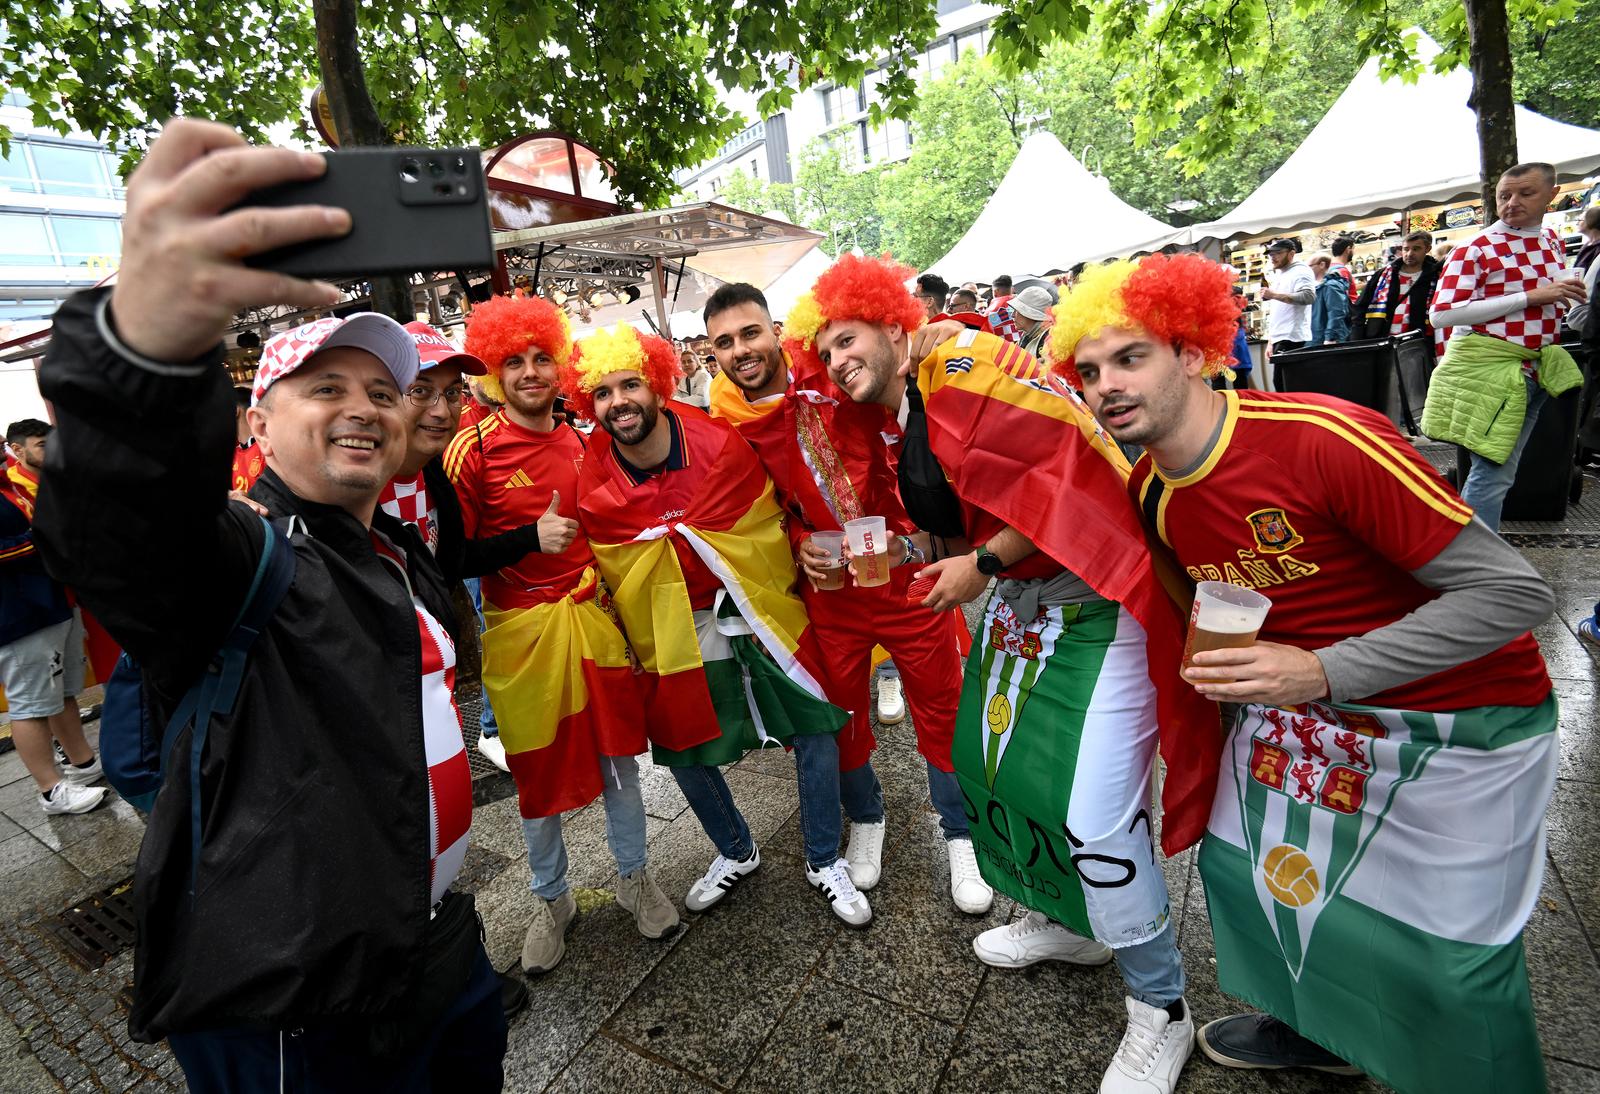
[449,953]
[924,489]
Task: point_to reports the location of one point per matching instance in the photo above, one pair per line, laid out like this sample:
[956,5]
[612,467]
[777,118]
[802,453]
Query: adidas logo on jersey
[517,480]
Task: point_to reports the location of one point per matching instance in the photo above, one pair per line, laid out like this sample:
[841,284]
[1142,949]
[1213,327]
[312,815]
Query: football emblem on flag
[1289,876]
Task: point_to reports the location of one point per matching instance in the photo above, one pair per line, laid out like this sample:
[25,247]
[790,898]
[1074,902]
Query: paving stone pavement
[767,993]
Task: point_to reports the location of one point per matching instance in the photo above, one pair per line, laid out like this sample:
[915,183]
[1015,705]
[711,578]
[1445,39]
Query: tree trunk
[355,118]
[1490,60]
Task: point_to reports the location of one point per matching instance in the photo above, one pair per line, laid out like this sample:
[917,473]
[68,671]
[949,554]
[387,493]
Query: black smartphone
[411,209]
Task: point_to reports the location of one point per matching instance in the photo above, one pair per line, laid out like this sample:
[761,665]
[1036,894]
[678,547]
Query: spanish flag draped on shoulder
[744,671]
[1010,433]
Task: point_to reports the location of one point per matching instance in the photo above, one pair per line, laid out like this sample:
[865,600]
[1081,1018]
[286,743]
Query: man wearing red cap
[293,897]
[829,464]
[555,664]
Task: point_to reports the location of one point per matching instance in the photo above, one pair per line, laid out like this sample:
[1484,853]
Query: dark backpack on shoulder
[924,490]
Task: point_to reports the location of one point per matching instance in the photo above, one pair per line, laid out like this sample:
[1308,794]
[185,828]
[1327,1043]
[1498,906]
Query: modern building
[61,203]
[769,150]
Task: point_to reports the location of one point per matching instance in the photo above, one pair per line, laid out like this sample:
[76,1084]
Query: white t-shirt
[1288,322]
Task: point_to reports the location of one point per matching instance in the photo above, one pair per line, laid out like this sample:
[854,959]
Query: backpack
[924,489]
[131,752]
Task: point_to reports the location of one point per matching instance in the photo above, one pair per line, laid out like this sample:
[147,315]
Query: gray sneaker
[653,913]
[546,941]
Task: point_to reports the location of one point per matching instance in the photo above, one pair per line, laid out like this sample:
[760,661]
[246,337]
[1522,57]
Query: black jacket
[1417,300]
[312,889]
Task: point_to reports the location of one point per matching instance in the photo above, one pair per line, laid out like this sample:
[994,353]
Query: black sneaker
[1261,1042]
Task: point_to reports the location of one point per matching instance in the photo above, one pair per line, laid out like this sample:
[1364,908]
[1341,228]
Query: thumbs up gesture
[556,532]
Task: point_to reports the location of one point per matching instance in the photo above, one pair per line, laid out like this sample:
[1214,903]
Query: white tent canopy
[1387,145]
[1049,213]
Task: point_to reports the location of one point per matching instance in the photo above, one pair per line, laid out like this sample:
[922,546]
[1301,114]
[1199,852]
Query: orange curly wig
[869,289]
[505,326]
[1183,298]
[620,349]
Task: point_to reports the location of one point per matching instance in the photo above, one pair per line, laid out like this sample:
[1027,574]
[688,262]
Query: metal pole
[658,281]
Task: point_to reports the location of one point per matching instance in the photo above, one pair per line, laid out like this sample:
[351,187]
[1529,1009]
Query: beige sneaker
[546,941]
[653,913]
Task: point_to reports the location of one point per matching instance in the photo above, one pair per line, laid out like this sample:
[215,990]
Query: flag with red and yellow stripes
[1021,445]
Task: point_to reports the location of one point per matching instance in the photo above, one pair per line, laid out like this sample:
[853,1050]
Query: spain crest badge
[1273,531]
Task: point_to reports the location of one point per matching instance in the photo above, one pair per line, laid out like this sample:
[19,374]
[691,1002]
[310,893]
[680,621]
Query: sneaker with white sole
[722,876]
[653,913]
[493,751]
[545,944]
[85,775]
[68,797]
[59,753]
[864,853]
[1034,938]
[1153,1051]
[848,902]
[891,701]
[967,887]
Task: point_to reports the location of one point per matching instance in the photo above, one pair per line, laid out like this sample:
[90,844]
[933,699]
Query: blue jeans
[1153,970]
[547,851]
[862,796]
[816,761]
[486,720]
[1488,482]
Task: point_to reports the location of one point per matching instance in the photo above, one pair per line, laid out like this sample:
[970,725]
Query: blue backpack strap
[218,690]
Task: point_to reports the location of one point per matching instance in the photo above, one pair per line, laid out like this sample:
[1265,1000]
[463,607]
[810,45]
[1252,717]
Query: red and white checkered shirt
[1500,262]
[407,500]
[1402,309]
[449,777]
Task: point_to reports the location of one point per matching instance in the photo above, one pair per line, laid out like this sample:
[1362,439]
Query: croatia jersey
[407,500]
[1321,506]
[504,476]
[1499,262]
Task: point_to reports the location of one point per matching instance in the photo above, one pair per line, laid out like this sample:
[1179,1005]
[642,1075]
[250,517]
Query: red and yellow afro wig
[620,349]
[1181,298]
[872,290]
[506,326]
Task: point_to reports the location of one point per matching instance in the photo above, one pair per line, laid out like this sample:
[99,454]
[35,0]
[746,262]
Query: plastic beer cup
[1224,617]
[833,543]
[869,548]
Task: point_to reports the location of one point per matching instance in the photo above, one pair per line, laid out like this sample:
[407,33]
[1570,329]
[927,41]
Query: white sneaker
[69,797]
[493,751]
[865,853]
[1153,1051]
[891,701]
[723,875]
[834,882]
[59,753]
[967,887]
[1033,938]
[83,776]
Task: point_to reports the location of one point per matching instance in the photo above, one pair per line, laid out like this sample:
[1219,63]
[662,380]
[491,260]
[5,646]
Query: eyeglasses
[423,396]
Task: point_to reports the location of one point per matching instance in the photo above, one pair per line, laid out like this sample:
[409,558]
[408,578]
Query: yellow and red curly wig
[872,290]
[620,349]
[1181,299]
[506,326]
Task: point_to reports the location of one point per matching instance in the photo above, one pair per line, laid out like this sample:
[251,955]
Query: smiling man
[555,664]
[690,538]
[295,916]
[1395,739]
[1074,677]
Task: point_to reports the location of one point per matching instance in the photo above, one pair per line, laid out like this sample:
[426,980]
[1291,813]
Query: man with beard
[1377,838]
[829,464]
[555,665]
[690,538]
[1075,675]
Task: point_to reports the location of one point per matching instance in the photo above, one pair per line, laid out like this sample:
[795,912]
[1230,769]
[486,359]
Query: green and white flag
[1368,874]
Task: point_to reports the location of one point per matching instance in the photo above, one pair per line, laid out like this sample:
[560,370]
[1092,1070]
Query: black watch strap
[989,563]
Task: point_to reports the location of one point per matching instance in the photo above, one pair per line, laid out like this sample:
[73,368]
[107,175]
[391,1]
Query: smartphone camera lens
[410,171]
[460,165]
[436,169]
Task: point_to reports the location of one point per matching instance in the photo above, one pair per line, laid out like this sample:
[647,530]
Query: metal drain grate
[97,929]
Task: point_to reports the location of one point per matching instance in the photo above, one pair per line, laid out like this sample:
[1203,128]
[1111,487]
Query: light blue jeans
[486,719]
[547,851]
[1488,482]
[1153,970]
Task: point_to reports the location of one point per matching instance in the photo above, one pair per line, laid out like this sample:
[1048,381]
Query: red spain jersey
[1323,507]
[504,475]
[473,412]
[248,463]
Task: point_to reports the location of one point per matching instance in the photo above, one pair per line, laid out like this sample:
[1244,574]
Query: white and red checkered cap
[379,335]
[435,349]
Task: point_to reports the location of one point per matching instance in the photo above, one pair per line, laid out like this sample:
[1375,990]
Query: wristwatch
[913,553]
[989,563]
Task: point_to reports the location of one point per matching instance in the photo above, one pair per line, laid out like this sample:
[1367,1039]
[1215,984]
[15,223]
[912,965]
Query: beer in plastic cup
[869,548]
[833,543]
[1225,617]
